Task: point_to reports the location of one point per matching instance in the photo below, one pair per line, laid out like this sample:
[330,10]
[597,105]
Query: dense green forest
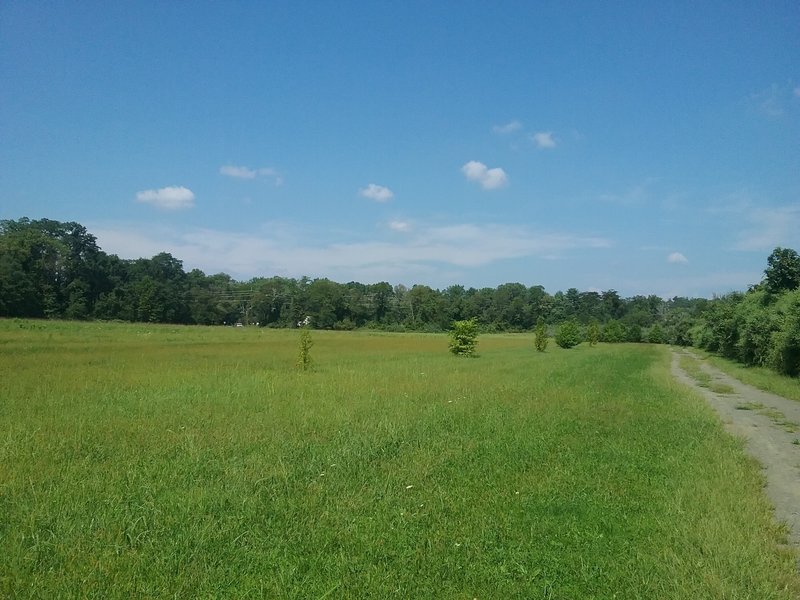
[51,269]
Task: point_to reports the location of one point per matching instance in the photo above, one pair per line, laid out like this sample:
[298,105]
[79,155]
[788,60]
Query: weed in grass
[722,388]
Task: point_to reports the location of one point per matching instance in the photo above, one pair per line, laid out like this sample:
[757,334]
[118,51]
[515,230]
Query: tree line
[52,269]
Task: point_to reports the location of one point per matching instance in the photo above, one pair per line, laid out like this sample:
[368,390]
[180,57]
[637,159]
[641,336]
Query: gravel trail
[769,424]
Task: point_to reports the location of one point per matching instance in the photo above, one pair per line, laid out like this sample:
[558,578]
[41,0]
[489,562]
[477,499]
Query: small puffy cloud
[676,258]
[544,139]
[400,226]
[797,92]
[489,179]
[168,198]
[378,193]
[238,172]
[507,128]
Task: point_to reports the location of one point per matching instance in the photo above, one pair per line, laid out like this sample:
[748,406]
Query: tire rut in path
[764,420]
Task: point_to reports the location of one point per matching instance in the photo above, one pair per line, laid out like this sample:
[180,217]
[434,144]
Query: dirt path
[770,425]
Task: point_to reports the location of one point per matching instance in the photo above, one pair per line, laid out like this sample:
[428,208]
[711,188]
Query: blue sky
[647,147]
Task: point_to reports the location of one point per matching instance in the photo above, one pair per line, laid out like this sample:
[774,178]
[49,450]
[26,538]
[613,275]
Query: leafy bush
[656,335]
[784,353]
[634,333]
[568,334]
[464,337]
[614,332]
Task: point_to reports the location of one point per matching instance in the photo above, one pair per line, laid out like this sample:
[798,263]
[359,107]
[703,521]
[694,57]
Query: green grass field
[158,461]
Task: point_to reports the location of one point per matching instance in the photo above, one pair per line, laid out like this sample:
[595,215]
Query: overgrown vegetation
[760,327]
[162,461]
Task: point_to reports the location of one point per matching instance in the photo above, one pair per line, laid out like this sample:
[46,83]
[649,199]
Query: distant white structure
[305,322]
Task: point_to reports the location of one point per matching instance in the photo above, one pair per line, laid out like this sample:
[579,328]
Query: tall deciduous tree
[783,271]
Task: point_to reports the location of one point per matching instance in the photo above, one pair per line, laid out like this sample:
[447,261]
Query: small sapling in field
[464,337]
[304,358]
[540,336]
[593,333]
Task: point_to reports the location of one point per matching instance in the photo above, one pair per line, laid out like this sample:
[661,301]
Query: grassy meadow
[189,462]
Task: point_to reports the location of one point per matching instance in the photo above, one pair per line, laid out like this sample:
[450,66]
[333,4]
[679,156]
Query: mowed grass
[157,461]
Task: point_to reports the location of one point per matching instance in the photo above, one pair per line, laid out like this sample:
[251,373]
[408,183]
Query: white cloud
[635,195]
[248,173]
[774,101]
[770,227]
[677,258]
[271,173]
[285,250]
[401,226]
[168,198]
[489,179]
[507,128]
[544,139]
[378,193]
[238,172]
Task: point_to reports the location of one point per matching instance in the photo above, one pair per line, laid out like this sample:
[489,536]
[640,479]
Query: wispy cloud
[766,228]
[507,128]
[636,194]
[490,179]
[239,172]
[774,101]
[378,193]
[273,174]
[676,258]
[285,250]
[401,226]
[167,198]
[544,139]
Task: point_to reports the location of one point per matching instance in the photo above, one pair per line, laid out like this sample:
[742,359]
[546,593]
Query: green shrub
[614,332]
[634,333]
[656,335]
[784,354]
[464,337]
[568,334]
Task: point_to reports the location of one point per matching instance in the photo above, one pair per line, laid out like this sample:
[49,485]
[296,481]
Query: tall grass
[199,462]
